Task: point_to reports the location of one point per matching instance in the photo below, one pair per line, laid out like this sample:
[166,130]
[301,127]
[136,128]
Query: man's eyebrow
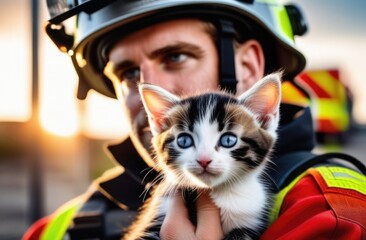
[114,67]
[174,48]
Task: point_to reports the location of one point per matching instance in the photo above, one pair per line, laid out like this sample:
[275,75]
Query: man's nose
[158,77]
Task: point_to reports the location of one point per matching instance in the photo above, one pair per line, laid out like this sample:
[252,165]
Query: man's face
[178,55]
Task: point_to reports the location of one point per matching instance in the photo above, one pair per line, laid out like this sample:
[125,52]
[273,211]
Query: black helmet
[97,20]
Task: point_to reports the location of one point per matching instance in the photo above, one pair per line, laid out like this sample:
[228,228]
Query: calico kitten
[218,142]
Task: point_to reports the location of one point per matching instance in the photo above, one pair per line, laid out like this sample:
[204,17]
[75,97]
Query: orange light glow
[58,106]
[103,118]
[14,81]
[15,62]
[99,118]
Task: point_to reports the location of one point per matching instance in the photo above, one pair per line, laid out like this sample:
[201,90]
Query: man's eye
[176,58]
[132,74]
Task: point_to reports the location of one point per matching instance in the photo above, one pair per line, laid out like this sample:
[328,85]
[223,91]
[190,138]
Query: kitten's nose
[204,162]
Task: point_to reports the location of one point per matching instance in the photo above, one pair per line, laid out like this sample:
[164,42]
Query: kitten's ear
[264,99]
[157,102]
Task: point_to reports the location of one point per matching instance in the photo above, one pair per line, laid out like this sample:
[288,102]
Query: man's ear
[250,63]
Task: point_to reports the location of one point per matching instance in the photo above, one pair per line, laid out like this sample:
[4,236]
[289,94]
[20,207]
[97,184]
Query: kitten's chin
[208,178]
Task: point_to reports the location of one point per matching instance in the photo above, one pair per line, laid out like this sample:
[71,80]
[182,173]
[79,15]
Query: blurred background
[51,144]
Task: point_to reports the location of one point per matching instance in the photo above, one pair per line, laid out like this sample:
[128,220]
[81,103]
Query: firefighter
[174,43]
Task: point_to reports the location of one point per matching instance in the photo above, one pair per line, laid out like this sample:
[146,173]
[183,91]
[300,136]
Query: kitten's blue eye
[184,140]
[228,140]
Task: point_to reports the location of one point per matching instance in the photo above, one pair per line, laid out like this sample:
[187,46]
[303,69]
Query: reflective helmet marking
[283,21]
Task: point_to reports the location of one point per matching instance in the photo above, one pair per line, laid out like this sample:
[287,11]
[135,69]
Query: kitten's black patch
[240,154]
[173,154]
[198,109]
[260,152]
[190,198]
[218,114]
[194,113]
[167,142]
[172,151]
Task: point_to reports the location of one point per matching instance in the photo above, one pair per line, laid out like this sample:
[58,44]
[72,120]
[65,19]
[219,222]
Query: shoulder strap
[289,166]
[100,218]
[89,220]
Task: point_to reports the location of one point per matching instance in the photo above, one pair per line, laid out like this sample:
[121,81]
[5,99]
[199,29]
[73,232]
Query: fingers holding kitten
[177,219]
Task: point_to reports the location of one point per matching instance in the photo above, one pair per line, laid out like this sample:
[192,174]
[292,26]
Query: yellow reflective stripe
[338,177]
[329,84]
[279,199]
[283,22]
[343,178]
[331,108]
[56,229]
[333,111]
[291,94]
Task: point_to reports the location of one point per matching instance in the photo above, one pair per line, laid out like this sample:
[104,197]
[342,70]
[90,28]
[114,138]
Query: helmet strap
[227,74]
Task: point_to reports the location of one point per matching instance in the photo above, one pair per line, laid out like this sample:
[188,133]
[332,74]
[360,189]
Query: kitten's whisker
[199,193]
[235,177]
[156,180]
[149,171]
[150,186]
[174,189]
[268,176]
[145,169]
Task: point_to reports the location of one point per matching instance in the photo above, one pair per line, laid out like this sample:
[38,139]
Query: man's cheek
[133,104]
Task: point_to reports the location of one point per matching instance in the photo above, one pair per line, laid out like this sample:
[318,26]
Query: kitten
[218,142]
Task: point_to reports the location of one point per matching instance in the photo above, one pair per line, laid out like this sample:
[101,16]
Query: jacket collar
[125,187]
[296,132]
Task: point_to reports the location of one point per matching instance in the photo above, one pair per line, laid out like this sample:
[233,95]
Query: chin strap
[227,58]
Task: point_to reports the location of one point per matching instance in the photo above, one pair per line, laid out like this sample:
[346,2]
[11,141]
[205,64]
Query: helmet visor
[61,10]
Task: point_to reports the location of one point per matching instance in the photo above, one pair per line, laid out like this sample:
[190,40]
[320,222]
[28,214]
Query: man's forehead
[161,33]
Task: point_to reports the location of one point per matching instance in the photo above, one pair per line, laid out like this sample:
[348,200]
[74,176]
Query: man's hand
[177,226]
